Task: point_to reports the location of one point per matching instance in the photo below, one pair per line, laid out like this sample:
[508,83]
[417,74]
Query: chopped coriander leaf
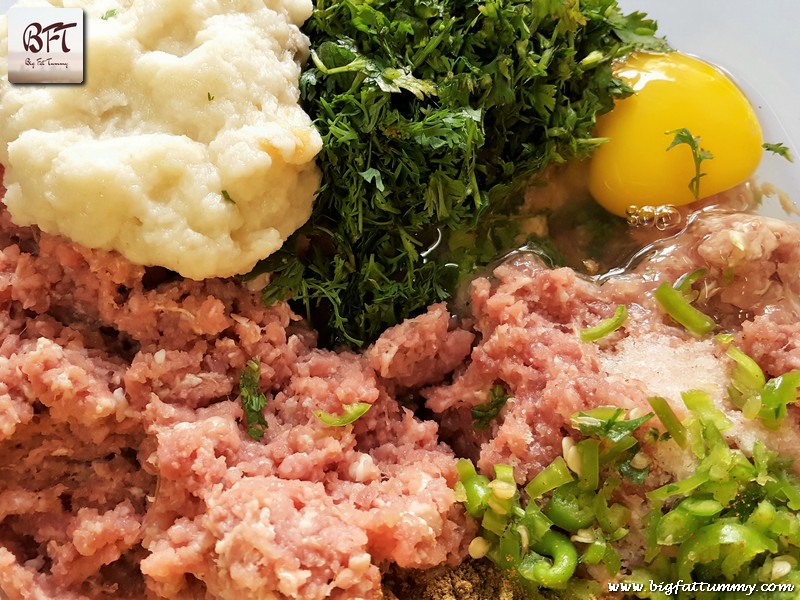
[108,14]
[779,149]
[350,414]
[253,401]
[433,118]
[210,97]
[227,197]
[483,414]
[699,154]
[631,472]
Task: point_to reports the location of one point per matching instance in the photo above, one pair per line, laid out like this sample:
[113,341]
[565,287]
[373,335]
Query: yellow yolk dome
[672,91]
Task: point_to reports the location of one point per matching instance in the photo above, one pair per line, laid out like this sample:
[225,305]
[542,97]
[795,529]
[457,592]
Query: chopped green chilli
[566,520]
[733,519]
[676,305]
[350,414]
[588,452]
[607,422]
[570,507]
[554,475]
[747,382]
[552,562]
[776,395]
[757,397]
[780,149]
[606,326]
[730,514]
[685,282]
[669,419]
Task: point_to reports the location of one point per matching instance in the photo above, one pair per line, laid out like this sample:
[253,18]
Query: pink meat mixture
[127,471]
[528,319]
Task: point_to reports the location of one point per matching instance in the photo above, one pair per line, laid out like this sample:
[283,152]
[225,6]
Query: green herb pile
[433,114]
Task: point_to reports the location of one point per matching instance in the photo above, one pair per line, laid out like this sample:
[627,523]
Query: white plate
[759,46]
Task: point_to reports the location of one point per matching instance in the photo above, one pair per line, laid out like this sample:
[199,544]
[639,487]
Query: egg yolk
[672,91]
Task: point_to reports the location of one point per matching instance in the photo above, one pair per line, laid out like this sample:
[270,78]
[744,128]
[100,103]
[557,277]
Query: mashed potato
[185,147]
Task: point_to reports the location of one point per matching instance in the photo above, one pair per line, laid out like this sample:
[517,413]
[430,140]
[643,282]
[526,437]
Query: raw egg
[673,91]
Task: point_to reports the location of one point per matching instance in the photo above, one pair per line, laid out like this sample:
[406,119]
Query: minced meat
[127,471]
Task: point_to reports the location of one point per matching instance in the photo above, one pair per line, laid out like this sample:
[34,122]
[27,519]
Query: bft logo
[32,39]
[45,45]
